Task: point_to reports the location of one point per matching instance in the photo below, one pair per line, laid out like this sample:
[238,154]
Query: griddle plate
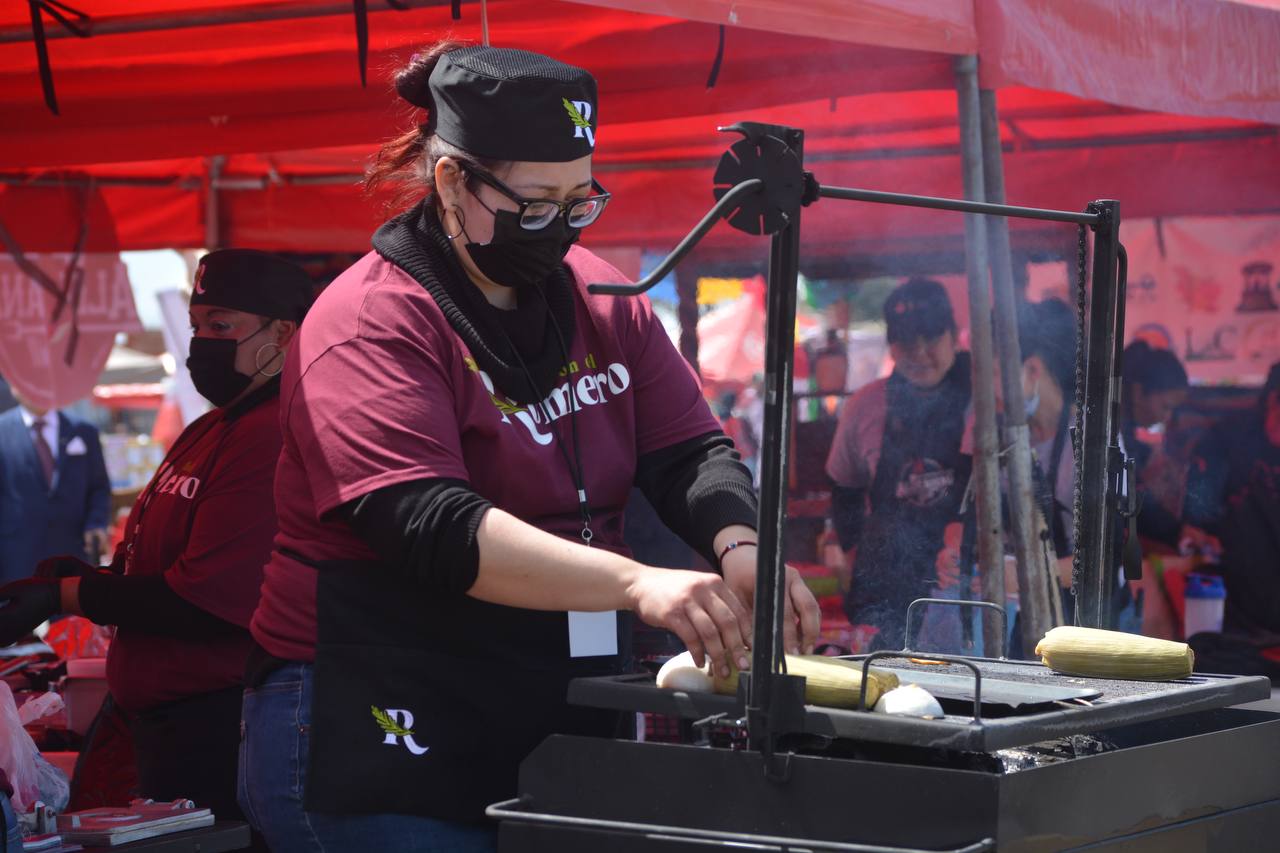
[1009,694]
[1118,702]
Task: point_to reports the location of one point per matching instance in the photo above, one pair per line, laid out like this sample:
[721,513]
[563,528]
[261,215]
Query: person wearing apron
[1233,490]
[463,424]
[900,463]
[185,580]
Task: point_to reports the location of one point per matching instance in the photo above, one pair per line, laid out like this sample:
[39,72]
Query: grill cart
[1023,760]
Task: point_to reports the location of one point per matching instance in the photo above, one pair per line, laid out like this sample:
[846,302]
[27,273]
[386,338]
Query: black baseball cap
[253,281]
[918,308]
[500,103]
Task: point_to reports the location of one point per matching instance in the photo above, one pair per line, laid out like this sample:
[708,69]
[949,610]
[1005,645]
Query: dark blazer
[37,521]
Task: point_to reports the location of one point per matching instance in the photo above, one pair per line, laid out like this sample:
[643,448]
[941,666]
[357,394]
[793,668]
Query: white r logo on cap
[582,128]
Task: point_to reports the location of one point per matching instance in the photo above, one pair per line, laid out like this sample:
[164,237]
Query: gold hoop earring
[257,357]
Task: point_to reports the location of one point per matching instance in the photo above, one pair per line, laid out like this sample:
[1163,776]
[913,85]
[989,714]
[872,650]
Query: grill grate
[1120,703]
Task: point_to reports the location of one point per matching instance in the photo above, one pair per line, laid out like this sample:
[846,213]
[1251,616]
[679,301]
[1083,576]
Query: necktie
[43,451]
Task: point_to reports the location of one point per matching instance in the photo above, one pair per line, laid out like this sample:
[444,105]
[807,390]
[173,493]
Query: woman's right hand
[700,609]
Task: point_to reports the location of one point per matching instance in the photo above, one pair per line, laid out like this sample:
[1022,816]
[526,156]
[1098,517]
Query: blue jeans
[273,771]
[12,841]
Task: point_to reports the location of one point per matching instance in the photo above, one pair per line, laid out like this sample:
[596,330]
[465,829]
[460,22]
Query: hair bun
[413,82]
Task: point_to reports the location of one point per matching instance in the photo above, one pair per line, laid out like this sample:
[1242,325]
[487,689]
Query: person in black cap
[184,582]
[900,462]
[463,426]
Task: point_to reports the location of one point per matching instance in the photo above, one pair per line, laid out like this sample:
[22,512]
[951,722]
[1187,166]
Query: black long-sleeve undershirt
[146,603]
[698,487]
[424,529]
[427,528]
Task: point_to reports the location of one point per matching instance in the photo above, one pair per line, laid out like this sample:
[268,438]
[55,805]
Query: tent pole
[986,476]
[1035,596]
[212,229]
[687,312]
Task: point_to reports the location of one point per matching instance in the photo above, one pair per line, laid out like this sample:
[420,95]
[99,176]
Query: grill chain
[1077,429]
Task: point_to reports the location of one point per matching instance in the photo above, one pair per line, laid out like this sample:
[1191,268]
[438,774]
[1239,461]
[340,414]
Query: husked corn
[1114,654]
[830,682]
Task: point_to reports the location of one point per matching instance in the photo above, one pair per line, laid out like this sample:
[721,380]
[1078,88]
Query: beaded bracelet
[731,546]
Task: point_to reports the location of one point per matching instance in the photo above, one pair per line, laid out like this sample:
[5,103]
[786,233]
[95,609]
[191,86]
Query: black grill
[1001,726]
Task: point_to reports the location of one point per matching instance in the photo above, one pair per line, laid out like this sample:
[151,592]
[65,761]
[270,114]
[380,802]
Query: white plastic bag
[39,707]
[55,787]
[18,754]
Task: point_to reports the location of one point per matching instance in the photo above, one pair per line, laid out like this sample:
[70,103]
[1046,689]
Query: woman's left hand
[803,618]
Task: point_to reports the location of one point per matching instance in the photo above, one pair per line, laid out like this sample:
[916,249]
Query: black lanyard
[575,466]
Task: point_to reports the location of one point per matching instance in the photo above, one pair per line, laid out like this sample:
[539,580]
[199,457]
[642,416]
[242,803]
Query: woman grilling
[463,423]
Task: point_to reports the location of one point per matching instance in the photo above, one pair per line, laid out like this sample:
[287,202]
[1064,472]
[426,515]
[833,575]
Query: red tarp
[276,85]
[1191,57]
[660,174]
[879,117]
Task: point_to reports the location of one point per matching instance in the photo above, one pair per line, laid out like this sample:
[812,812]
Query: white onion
[910,700]
[679,673]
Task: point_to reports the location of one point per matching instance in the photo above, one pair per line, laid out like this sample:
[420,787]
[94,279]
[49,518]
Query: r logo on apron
[425,703]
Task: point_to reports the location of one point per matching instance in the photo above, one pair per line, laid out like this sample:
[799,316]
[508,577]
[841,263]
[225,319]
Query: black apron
[917,490]
[1044,484]
[1250,535]
[426,702]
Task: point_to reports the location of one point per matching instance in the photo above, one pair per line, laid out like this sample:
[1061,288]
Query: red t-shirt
[206,523]
[378,389]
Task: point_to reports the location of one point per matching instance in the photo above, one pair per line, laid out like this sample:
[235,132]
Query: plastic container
[83,690]
[1206,597]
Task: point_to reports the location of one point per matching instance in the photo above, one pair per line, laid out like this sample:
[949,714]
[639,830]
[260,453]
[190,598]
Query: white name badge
[593,634]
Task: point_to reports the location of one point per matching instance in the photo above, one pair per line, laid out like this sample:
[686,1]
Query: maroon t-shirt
[378,389]
[206,522]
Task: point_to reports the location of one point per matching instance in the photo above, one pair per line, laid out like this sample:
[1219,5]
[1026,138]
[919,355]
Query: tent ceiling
[146,108]
[1192,57]
[275,85]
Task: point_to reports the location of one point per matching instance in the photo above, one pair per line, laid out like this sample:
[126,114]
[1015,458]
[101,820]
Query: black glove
[64,566]
[25,604]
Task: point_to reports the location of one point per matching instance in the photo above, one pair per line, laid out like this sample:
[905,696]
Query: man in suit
[55,496]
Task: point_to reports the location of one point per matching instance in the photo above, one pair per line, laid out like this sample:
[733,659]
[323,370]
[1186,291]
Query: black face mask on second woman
[518,257]
[212,365]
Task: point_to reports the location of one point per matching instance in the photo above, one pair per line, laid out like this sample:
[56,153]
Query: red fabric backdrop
[153,105]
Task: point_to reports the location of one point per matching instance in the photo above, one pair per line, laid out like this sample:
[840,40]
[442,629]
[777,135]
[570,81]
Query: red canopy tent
[170,79]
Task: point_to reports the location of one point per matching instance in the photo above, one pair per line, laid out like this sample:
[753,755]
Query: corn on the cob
[1114,654]
[830,682]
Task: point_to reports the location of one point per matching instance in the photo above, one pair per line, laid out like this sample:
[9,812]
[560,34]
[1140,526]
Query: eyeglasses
[537,213]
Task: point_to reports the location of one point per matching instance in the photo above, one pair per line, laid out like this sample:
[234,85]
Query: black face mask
[517,257]
[212,365]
